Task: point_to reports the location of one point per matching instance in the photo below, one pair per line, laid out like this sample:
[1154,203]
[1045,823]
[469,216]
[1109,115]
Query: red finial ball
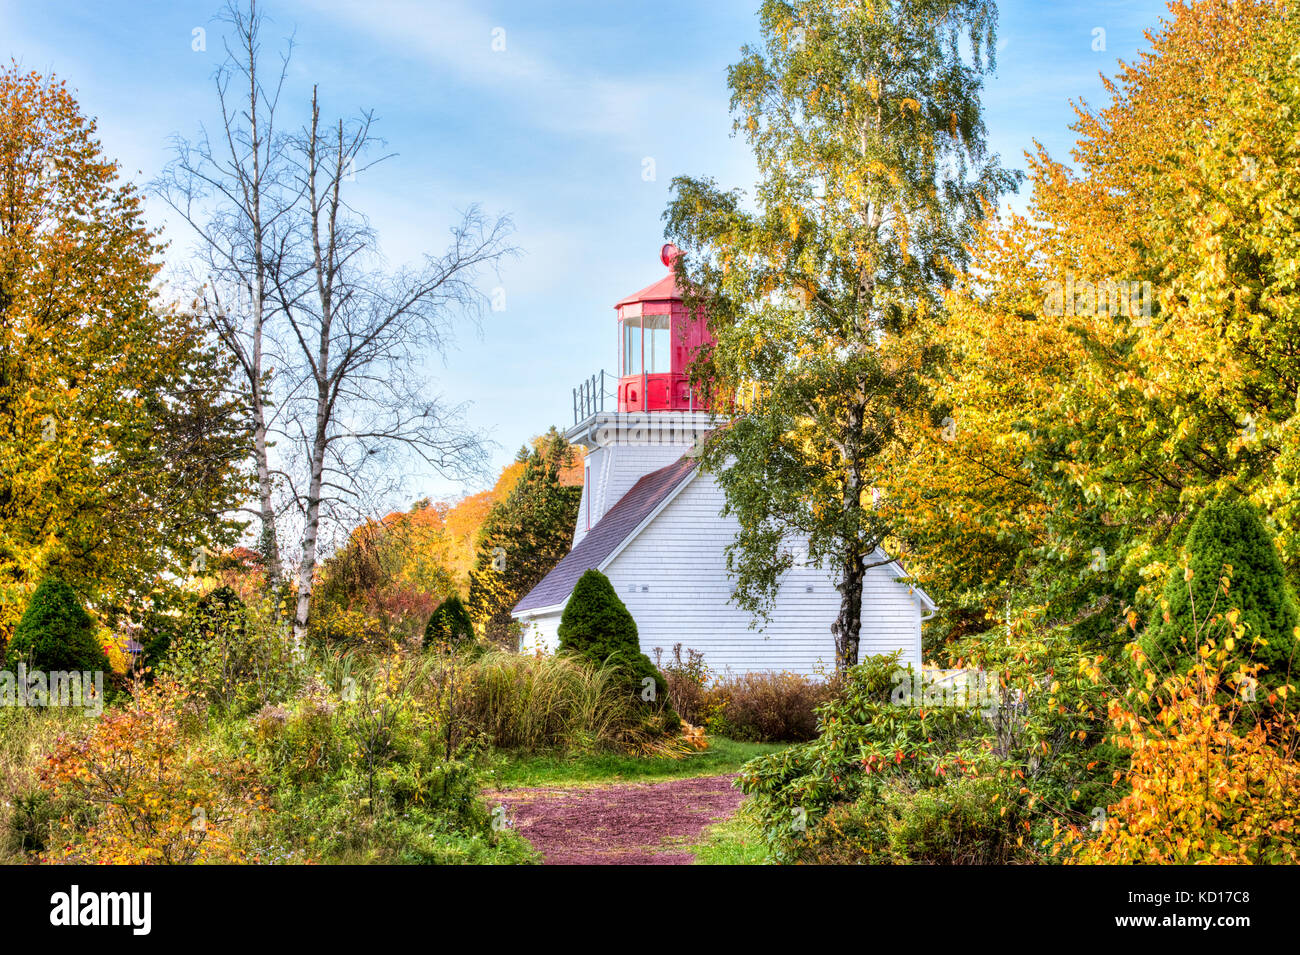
[668,254]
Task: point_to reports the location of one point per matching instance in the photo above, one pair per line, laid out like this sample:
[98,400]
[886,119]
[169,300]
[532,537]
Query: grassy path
[610,809]
[628,824]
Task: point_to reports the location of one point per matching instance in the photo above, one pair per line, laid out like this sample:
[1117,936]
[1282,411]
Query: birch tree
[362,332]
[237,192]
[865,123]
[330,343]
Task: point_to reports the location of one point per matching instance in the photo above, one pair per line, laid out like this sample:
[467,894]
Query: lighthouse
[654,415]
[655,523]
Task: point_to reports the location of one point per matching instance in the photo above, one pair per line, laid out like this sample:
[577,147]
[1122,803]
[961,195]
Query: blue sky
[554,129]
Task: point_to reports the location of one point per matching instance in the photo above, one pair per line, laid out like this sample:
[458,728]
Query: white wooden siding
[539,633]
[673,578]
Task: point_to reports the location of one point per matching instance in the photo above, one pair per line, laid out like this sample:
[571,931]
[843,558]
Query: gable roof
[896,565]
[622,522]
[617,525]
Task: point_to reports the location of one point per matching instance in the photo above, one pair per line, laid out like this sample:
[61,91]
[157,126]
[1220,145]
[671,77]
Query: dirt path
[629,824]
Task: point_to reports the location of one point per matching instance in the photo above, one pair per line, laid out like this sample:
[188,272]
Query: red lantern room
[657,341]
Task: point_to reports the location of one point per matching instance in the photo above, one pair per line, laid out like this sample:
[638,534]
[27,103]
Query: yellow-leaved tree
[119,447]
[1123,352]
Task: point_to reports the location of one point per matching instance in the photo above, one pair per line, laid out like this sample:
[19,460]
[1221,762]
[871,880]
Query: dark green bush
[1227,539]
[56,633]
[450,625]
[597,626]
[960,823]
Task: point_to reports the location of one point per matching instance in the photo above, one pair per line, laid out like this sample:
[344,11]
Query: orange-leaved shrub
[157,790]
[1213,774]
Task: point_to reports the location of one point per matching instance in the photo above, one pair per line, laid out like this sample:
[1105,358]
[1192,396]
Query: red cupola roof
[665,290]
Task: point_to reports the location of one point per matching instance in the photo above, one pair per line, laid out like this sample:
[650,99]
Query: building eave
[540,611]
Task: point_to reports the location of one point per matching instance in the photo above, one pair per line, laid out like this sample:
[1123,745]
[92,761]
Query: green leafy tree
[1228,540]
[120,444]
[865,122]
[449,624]
[597,625]
[523,537]
[229,655]
[56,633]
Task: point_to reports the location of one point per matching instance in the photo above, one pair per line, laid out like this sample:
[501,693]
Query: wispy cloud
[551,89]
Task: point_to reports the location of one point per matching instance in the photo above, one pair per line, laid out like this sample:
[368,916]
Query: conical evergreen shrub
[450,624]
[1228,538]
[598,626]
[56,633]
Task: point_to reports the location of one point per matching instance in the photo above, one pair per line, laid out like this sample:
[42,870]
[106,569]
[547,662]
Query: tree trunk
[847,627]
[307,568]
[324,267]
[270,545]
[270,541]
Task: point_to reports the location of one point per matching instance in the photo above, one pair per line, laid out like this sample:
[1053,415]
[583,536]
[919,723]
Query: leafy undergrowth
[508,770]
[736,841]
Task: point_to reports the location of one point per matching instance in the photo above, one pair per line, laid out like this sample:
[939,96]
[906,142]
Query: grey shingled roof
[610,531]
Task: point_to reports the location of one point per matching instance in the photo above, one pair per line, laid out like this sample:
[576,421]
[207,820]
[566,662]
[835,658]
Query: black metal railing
[589,397]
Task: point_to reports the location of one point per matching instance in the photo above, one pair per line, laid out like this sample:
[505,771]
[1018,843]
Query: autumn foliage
[1076,423]
[163,794]
[1075,426]
[1209,782]
[121,443]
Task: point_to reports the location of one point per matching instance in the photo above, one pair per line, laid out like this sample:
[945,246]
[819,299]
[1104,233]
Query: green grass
[736,841]
[507,770]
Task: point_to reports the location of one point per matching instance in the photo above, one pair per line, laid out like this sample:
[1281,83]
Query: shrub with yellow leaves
[1212,777]
[157,790]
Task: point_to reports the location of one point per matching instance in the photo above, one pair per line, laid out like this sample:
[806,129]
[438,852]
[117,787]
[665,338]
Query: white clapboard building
[651,521]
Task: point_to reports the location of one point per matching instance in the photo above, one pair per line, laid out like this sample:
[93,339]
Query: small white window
[658,351]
